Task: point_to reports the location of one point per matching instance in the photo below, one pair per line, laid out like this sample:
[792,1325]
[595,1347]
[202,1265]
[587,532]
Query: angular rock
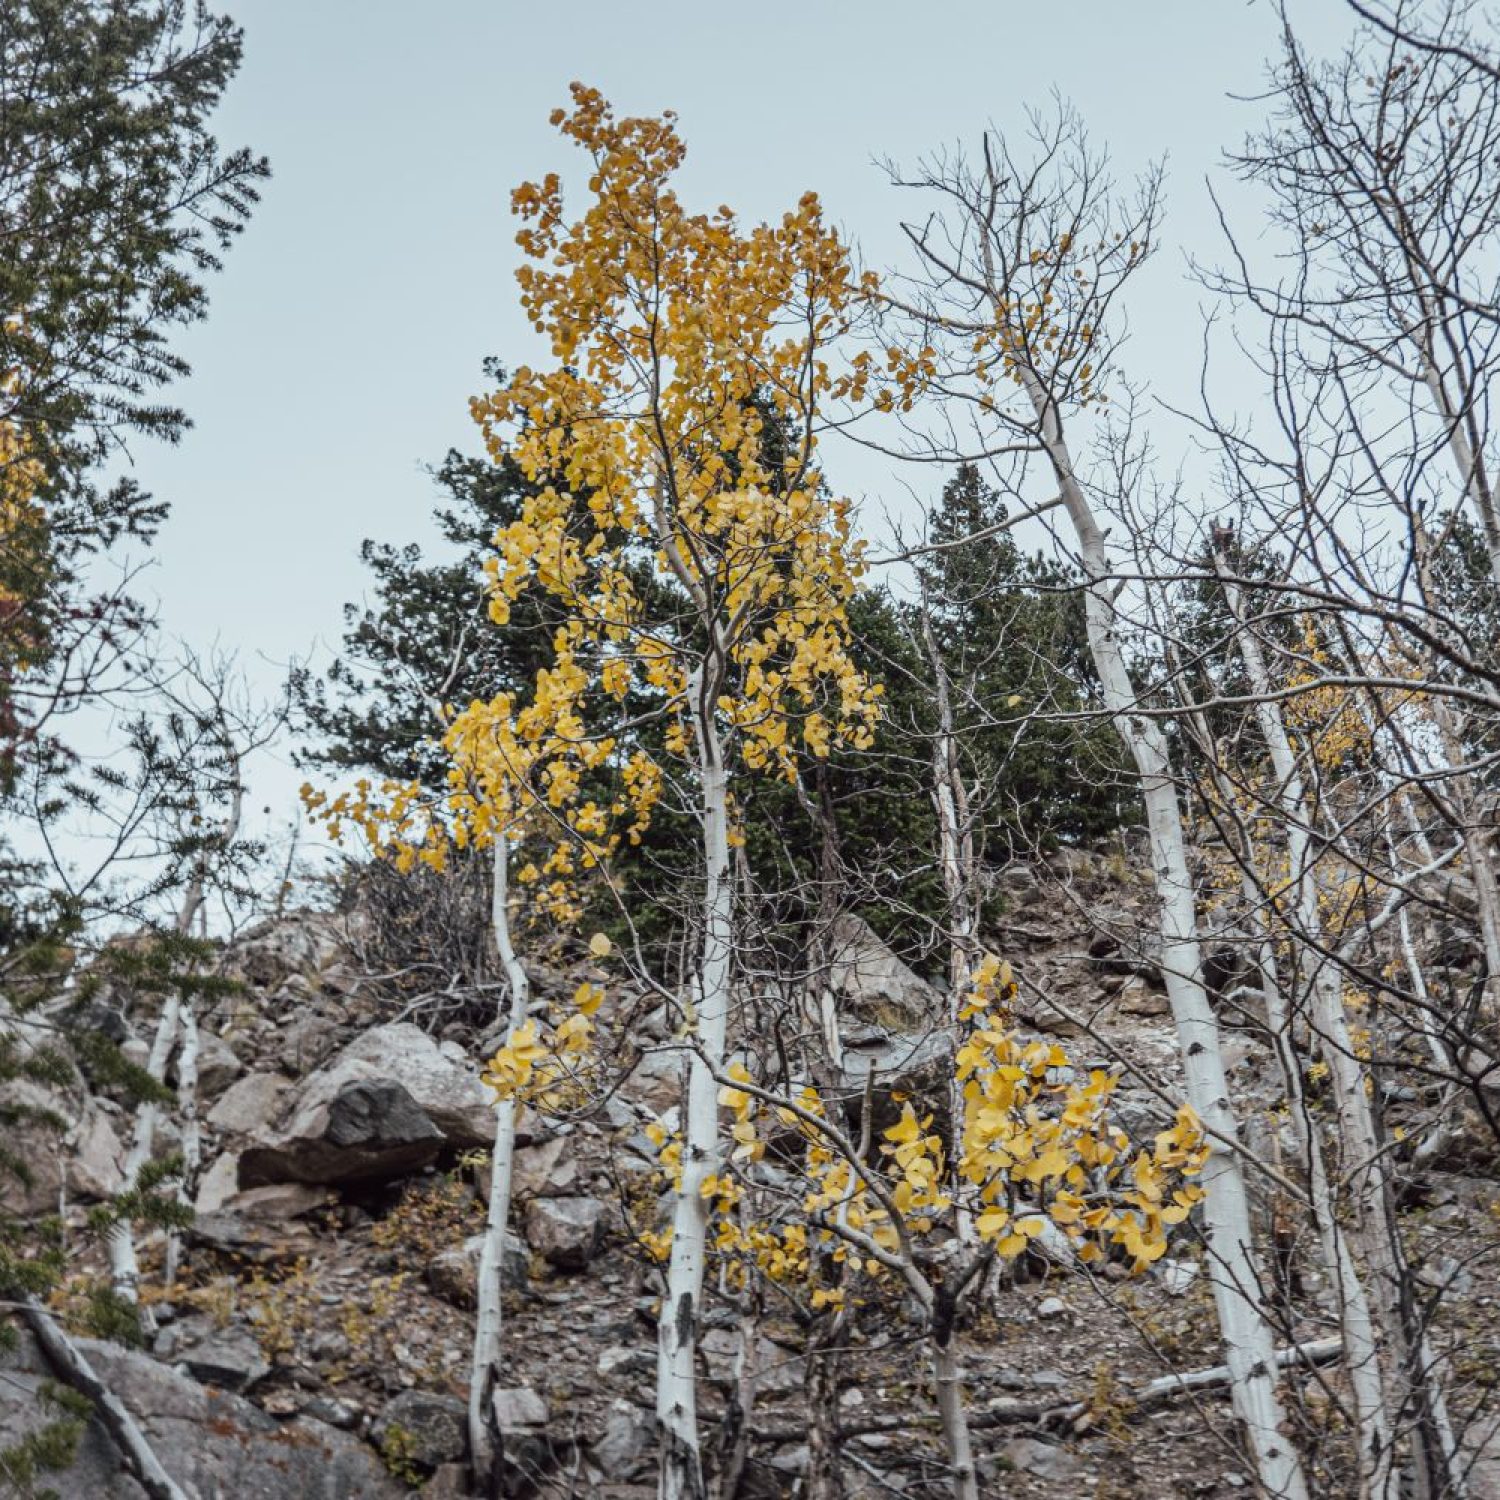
[626,1443]
[219,1184]
[261,1241]
[518,1408]
[218,1065]
[1137,998]
[441,1077]
[211,1442]
[874,981]
[96,1164]
[1044,1460]
[350,1130]
[251,1104]
[565,1231]
[453,1274]
[228,1358]
[428,1428]
[547,1170]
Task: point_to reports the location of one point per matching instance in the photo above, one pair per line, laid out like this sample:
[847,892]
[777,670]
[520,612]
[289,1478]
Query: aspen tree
[514,779]
[1007,316]
[667,328]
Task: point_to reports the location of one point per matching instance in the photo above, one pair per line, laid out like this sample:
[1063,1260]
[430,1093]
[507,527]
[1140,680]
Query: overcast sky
[347,331]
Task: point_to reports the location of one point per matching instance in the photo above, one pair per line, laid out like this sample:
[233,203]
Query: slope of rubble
[317,1341]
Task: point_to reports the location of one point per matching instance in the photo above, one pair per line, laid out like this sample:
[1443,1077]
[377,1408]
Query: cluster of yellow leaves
[674,333]
[1327,720]
[23,540]
[1037,1145]
[550,1071]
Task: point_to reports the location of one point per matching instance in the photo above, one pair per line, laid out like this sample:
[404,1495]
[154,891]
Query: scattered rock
[547,1170]
[453,1274]
[218,1065]
[1176,1276]
[518,1408]
[229,1358]
[1051,1307]
[1044,1460]
[96,1165]
[1137,998]
[620,1359]
[425,1427]
[219,1184]
[260,1241]
[565,1231]
[627,1441]
[251,1104]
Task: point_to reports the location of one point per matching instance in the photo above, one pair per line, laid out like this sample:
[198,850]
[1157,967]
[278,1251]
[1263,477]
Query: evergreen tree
[116,204]
[1010,629]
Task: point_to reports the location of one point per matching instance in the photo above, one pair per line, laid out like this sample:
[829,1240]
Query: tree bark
[681,1475]
[485,1447]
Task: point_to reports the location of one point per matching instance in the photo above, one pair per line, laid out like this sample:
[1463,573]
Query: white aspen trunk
[192,1144]
[948,1378]
[1248,1345]
[484,1366]
[681,1476]
[1362,1164]
[124,1268]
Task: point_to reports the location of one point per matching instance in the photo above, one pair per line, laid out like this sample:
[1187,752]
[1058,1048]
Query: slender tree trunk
[484,1369]
[956,861]
[948,1378]
[124,1268]
[676,1381]
[192,1141]
[1373,1233]
[820,1389]
[1249,1347]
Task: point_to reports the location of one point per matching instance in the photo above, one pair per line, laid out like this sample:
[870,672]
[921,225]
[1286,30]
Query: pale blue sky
[346,333]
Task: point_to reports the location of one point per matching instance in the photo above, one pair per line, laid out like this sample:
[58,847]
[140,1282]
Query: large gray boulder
[383,1107]
[217,1446]
[440,1076]
[874,982]
[355,1129]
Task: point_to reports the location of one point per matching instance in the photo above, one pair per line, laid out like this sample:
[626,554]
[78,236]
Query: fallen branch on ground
[71,1365]
[1055,1413]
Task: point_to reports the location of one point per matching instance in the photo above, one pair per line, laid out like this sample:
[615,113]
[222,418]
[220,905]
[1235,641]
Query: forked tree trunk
[676,1380]
[1248,1345]
[484,1368]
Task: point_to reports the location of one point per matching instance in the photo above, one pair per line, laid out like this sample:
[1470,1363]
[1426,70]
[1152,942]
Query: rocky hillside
[316,1341]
